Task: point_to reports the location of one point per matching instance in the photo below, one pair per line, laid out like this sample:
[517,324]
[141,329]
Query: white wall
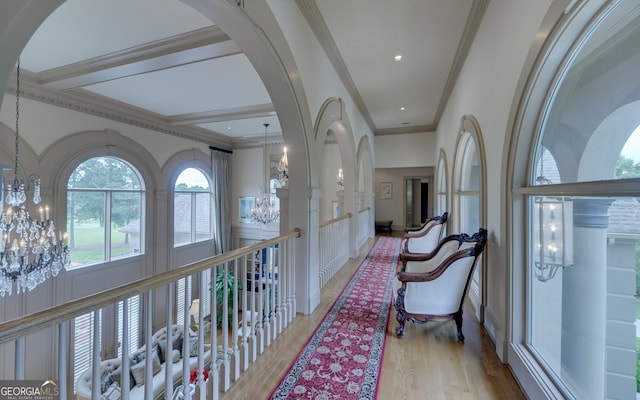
[486,89]
[41,125]
[394,208]
[406,150]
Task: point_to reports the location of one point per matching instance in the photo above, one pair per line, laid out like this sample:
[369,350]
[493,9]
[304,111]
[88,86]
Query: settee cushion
[116,376]
[83,384]
[112,392]
[175,356]
[176,344]
[138,372]
[105,381]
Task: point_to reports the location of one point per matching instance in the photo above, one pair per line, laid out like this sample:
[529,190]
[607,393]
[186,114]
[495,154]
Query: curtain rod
[220,149]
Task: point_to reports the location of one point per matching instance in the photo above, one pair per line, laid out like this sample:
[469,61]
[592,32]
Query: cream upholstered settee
[110,371]
[425,238]
[433,286]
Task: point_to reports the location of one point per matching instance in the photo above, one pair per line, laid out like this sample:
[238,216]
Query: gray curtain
[221,176]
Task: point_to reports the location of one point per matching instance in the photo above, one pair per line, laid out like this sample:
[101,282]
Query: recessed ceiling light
[229,128]
[401,108]
[398,57]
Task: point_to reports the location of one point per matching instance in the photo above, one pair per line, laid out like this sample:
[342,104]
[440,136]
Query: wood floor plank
[428,362]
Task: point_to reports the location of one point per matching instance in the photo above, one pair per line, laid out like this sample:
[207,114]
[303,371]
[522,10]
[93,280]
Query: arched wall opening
[253,27]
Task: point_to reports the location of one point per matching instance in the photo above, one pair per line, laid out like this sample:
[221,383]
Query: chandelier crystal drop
[265,211]
[30,252]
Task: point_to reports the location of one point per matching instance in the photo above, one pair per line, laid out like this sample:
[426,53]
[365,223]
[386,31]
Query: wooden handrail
[333,221]
[33,323]
[364,210]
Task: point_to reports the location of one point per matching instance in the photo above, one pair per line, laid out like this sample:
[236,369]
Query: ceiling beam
[199,45]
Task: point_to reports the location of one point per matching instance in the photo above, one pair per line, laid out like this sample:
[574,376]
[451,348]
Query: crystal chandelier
[30,252]
[265,211]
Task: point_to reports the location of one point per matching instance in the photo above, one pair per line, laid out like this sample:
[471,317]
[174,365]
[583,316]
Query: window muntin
[192,208]
[582,322]
[104,211]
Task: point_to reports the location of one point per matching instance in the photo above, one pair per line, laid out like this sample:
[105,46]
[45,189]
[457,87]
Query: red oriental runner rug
[342,360]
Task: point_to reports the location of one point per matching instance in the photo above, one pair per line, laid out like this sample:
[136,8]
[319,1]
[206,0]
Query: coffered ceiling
[164,65]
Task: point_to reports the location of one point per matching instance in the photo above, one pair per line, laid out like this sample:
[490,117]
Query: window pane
[104,173]
[593,110]
[182,218]
[583,305]
[469,214]
[470,179]
[125,224]
[192,180]
[203,216]
[85,226]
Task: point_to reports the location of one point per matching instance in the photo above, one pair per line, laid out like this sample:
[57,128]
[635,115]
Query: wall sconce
[340,181]
[283,170]
[554,246]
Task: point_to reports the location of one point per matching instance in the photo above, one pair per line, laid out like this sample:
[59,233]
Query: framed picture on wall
[386,190]
[245,205]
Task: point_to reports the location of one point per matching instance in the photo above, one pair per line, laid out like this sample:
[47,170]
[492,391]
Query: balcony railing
[334,247]
[264,295]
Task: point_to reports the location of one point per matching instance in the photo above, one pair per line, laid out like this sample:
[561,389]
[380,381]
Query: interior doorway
[416,200]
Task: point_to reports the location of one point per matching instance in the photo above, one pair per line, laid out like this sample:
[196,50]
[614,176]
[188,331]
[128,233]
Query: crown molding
[229,114]
[412,129]
[311,12]
[478,9]
[99,106]
[312,15]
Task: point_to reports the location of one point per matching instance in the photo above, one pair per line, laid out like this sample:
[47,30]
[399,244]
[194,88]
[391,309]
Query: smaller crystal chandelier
[340,181]
[283,170]
[30,253]
[265,211]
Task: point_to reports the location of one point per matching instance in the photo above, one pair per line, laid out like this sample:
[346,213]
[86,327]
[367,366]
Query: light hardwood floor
[428,363]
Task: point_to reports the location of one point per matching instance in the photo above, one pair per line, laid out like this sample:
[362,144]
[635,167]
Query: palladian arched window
[104,211]
[191,208]
[583,227]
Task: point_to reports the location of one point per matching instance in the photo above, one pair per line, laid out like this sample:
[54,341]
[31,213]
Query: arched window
[581,193]
[105,199]
[191,208]
[469,198]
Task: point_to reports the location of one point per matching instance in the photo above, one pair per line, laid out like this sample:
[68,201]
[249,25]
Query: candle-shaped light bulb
[41,214]
[46,210]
